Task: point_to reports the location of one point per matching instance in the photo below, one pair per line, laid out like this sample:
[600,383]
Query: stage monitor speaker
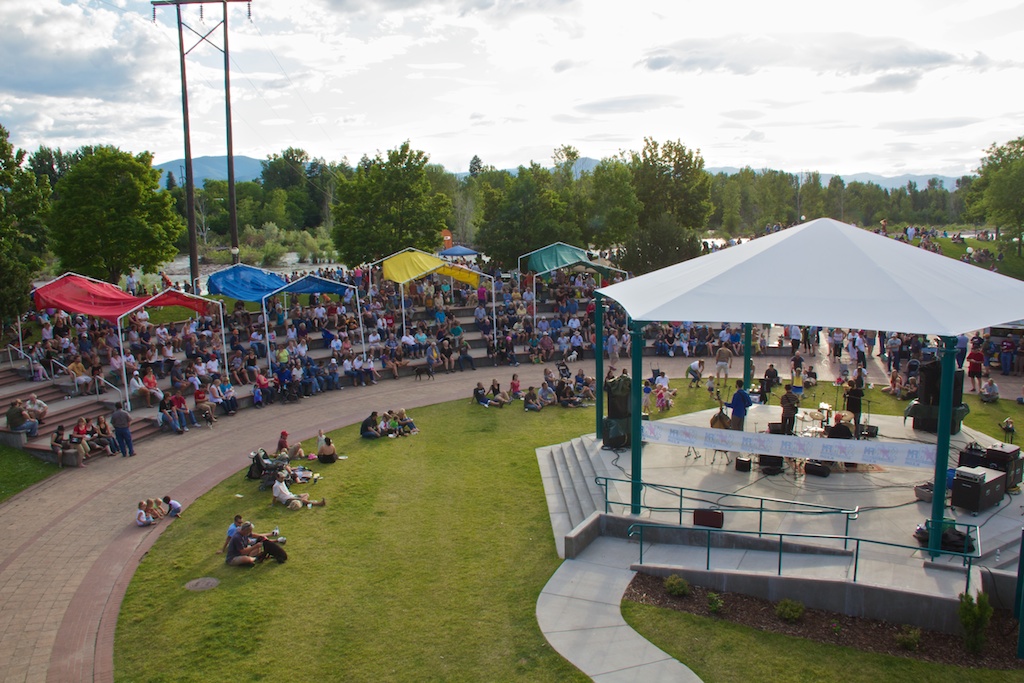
[868,431]
[616,433]
[816,469]
[769,461]
[930,383]
[742,464]
[775,428]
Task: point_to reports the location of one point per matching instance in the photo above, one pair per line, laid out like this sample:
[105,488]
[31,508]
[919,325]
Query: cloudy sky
[885,87]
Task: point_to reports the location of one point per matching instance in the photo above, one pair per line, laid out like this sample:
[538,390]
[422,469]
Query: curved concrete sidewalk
[578,612]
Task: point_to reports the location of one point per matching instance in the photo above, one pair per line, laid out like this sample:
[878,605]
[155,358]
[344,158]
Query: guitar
[720,420]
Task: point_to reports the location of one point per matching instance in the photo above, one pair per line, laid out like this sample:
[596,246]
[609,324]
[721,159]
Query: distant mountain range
[248,168]
[212,168]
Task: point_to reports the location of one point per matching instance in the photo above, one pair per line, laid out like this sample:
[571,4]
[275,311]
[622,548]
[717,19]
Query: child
[151,510]
[141,518]
[710,386]
[257,396]
[173,507]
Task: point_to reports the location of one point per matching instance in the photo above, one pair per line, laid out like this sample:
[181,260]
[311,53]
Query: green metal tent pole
[1018,603]
[948,358]
[748,353]
[599,361]
[636,354]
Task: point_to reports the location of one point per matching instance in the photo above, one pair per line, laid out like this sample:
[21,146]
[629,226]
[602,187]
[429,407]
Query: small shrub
[789,610]
[909,638]
[715,603]
[677,586]
[974,618]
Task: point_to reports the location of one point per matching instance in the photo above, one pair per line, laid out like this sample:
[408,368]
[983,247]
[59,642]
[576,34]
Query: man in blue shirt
[740,403]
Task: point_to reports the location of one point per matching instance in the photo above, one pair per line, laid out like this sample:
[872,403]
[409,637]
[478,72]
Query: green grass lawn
[20,470]
[425,565]
[722,652]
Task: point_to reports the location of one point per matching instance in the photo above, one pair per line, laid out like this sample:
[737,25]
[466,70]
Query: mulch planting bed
[869,635]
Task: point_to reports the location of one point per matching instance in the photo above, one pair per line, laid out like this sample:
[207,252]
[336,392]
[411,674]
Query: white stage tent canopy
[831,274]
[828,273]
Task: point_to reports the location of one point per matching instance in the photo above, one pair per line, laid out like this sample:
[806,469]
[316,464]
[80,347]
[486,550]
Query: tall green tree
[614,208]
[675,193]
[111,216]
[24,202]
[388,205]
[529,215]
[998,193]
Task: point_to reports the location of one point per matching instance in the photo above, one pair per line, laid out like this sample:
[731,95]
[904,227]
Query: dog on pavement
[571,358]
[428,371]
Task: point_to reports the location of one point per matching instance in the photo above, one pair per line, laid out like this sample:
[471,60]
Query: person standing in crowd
[854,396]
[121,421]
[789,402]
[740,403]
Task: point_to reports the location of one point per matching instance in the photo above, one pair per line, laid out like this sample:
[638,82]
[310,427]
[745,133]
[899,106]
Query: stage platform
[888,510]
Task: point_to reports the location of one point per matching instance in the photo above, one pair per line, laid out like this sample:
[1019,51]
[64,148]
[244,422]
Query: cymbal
[844,415]
[804,417]
[817,415]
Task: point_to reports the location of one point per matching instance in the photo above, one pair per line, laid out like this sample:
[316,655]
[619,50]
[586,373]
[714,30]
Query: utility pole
[189,179]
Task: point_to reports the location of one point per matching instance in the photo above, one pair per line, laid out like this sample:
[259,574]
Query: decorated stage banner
[839,450]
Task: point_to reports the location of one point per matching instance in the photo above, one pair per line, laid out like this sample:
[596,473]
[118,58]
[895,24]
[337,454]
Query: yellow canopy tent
[413,264]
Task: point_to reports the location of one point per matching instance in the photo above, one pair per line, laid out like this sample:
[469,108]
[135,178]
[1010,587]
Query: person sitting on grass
[480,396]
[232,530]
[294,451]
[546,395]
[289,499]
[244,547]
[531,400]
[368,429]
[406,422]
[566,397]
[497,394]
[989,391]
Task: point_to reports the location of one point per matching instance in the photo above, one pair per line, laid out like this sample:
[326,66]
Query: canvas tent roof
[313,284]
[80,294]
[412,264]
[244,282]
[555,256]
[827,273]
[458,250]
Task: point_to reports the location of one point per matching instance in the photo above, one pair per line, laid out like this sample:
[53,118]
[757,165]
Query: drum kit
[823,417]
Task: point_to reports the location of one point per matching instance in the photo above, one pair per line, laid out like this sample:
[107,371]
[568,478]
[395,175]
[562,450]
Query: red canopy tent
[80,294]
[86,295]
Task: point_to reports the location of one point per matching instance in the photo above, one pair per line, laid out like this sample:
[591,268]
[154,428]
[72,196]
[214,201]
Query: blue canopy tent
[313,284]
[244,282]
[457,250]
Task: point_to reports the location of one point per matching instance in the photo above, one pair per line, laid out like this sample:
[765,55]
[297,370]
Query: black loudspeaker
[616,433]
[868,431]
[774,428]
[769,461]
[931,381]
[816,469]
[743,464]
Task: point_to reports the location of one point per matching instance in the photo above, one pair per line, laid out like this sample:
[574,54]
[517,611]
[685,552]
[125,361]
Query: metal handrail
[637,529]
[32,362]
[813,508]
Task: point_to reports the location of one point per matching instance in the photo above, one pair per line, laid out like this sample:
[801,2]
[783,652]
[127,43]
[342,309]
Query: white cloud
[511,80]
